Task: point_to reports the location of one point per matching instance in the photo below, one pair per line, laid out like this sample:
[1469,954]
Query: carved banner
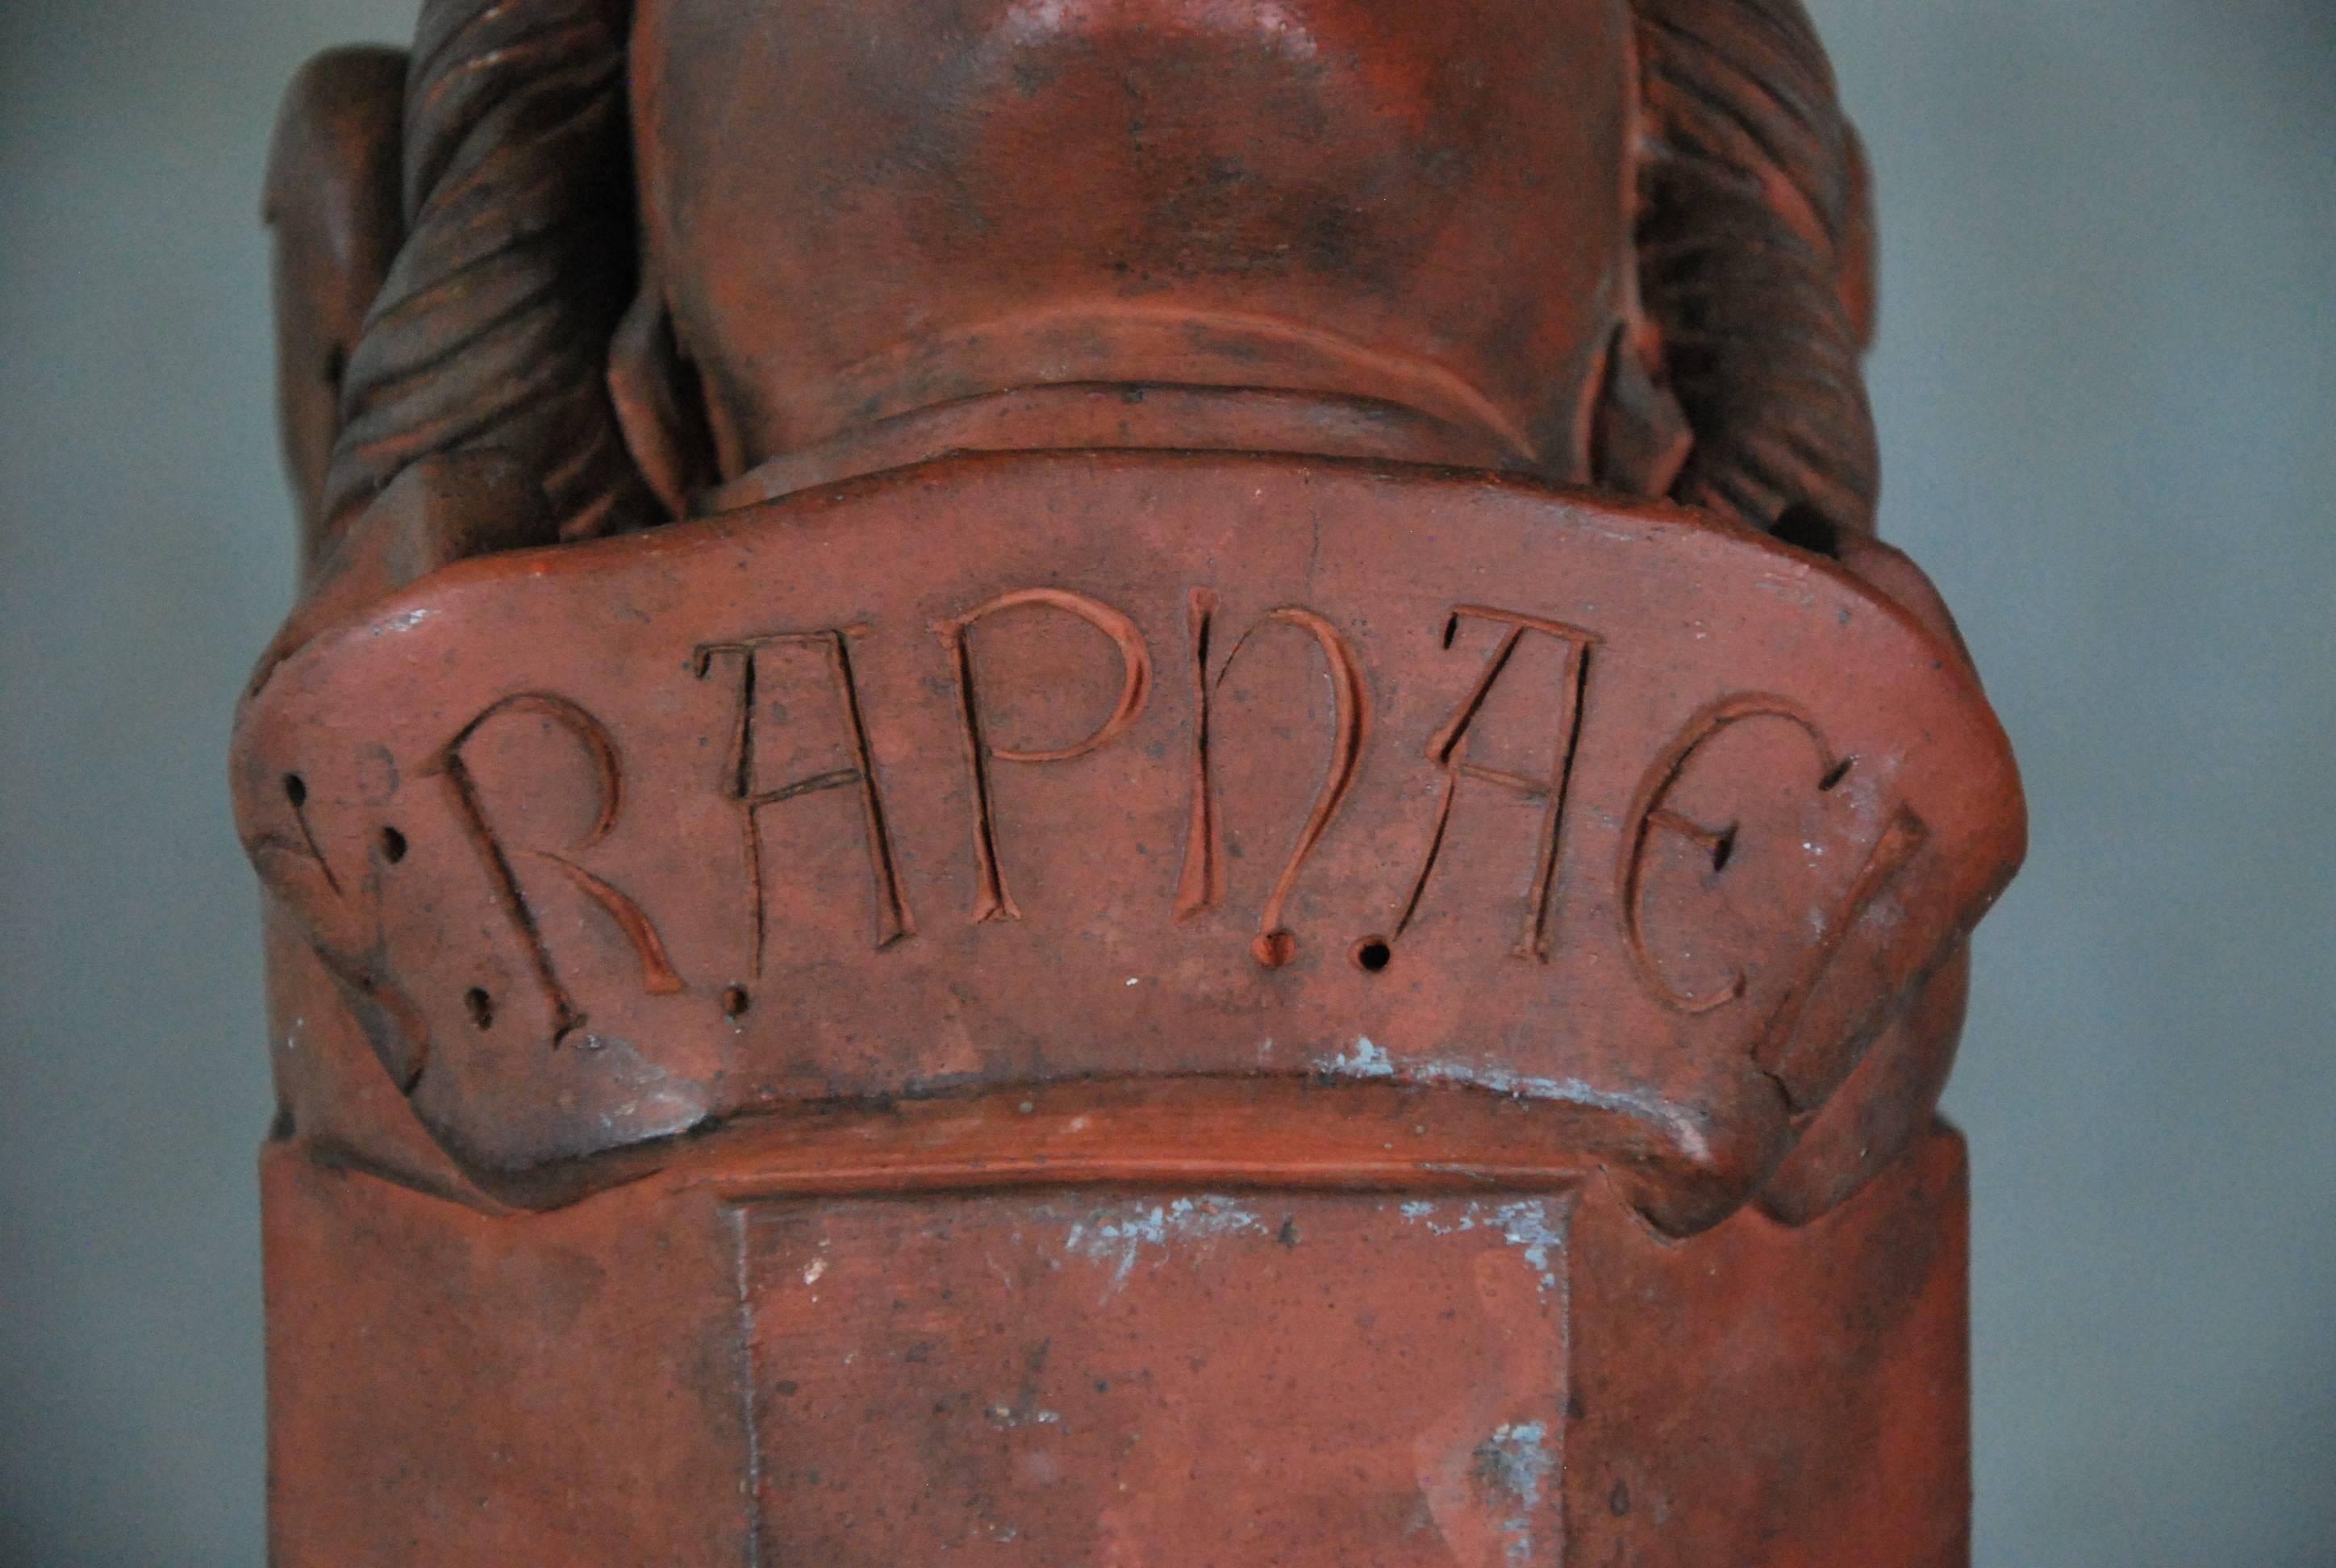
[1015,771]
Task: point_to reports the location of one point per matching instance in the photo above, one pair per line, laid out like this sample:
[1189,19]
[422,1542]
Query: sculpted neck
[1134,379]
[1415,220]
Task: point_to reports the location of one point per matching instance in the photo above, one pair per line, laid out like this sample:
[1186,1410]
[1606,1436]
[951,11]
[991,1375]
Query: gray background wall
[2105,381]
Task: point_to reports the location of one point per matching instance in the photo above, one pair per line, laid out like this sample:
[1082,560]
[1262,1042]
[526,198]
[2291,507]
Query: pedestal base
[666,1374]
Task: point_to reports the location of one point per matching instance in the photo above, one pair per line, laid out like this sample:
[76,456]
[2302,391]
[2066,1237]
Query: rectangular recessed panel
[1107,1379]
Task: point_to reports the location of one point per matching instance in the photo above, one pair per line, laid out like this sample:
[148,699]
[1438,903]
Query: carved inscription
[1653,816]
[1449,748]
[992,900]
[1202,888]
[346,920]
[744,778]
[503,859]
[295,795]
[800,729]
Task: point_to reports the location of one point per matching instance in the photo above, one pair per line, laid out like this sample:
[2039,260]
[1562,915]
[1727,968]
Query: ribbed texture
[1750,240]
[491,332]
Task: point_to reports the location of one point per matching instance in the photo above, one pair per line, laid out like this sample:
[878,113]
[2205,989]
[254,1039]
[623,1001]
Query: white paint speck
[1120,1237]
[1517,1459]
[1524,1223]
[1367,1062]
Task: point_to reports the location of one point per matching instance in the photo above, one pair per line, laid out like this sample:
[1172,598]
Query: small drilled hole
[1831,781]
[392,845]
[482,1008]
[1372,954]
[1723,849]
[735,1001]
[295,790]
[1274,949]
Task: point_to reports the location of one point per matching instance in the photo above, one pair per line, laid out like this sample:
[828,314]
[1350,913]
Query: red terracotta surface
[677,1372]
[1117,782]
[629,841]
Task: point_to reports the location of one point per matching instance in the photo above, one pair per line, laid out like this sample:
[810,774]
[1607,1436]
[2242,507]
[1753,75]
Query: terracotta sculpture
[1105,782]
